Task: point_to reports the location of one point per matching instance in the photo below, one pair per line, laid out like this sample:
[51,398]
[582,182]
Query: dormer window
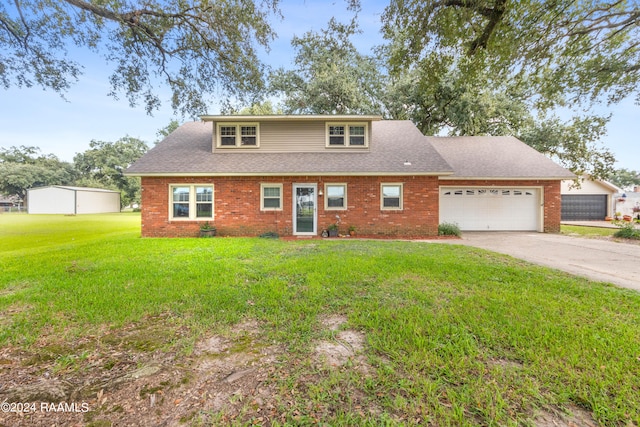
[238,135]
[347,135]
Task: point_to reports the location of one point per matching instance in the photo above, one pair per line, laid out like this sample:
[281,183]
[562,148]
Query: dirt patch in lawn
[574,416]
[135,376]
[128,377]
[152,373]
[345,346]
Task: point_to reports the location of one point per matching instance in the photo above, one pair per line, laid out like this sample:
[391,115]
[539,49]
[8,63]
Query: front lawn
[241,331]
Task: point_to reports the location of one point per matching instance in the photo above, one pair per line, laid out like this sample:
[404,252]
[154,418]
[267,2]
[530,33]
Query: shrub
[448,229]
[627,231]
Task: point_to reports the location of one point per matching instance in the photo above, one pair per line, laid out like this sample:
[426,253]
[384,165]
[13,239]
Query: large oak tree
[555,52]
[196,47]
[470,67]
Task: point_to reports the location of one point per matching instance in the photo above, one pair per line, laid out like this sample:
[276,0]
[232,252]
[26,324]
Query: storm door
[304,209]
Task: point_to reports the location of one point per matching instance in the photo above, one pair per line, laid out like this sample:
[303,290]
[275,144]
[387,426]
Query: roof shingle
[397,148]
[496,157]
[188,151]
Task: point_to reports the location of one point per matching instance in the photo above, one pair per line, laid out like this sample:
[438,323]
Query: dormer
[234,135]
[291,133]
[348,134]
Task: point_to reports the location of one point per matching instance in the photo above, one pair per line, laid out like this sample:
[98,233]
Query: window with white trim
[347,135]
[245,135]
[391,196]
[191,202]
[271,197]
[335,196]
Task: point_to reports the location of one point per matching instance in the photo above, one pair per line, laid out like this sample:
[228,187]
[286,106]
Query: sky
[65,127]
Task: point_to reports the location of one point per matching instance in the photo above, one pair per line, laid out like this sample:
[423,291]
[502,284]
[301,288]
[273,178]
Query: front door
[304,209]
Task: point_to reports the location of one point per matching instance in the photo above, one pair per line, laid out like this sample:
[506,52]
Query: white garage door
[494,209]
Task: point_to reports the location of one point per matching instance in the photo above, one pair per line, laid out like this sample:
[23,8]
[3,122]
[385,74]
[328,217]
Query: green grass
[587,231]
[454,335]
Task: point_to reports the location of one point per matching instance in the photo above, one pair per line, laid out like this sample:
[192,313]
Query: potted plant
[207,230]
[333,230]
[352,230]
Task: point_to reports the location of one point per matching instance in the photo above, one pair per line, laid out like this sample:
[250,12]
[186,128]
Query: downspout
[75,202]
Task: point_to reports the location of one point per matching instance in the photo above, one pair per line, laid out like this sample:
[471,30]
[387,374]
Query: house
[297,175]
[592,200]
[6,203]
[59,199]
[627,203]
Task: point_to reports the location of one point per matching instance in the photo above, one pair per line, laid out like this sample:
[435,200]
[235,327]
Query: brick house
[297,175]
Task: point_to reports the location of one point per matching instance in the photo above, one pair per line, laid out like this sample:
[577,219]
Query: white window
[356,135]
[238,135]
[271,197]
[336,135]
[335,196]
[227,135]
[191,202]
[347,135]
[391,196]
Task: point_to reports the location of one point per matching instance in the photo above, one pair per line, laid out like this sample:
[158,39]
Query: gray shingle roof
[495,157]
[188,151]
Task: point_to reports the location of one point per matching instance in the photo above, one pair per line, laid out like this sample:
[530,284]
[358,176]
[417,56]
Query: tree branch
[495,16]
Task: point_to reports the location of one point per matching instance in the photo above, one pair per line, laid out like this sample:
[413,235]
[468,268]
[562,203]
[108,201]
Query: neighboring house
[58,199]
[6,203]
[627,203]
[297,175]
[592,200]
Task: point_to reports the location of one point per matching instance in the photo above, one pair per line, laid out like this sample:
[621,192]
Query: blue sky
[32,116]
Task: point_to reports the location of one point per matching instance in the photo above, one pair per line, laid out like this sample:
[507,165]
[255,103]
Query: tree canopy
[104,164]
[24,167]
[196,47]
[554,52]
[625,178]
[330,75]
[458,67]
[498,67]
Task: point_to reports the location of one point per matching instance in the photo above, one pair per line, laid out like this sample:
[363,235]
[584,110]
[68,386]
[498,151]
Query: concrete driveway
[601,260]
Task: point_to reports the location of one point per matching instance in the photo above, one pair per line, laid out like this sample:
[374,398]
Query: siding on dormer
[291,137]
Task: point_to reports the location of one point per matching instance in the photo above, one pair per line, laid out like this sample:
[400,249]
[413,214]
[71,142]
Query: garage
[491,208]
[590,200]
[59,199]
[584,207]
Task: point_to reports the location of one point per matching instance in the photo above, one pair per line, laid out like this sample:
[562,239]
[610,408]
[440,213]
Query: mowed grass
[454,335]
[576,230]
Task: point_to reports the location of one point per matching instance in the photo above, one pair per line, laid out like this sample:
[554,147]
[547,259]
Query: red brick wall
[237,206]
[551,195]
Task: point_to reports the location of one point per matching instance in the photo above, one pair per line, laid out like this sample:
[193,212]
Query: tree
[497,67]
[574,144]
[258,109]
[105,163]
[331,76]
[556,51]
[197,47]
[453,105]
[625,178]
[22,168]
[166,131]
